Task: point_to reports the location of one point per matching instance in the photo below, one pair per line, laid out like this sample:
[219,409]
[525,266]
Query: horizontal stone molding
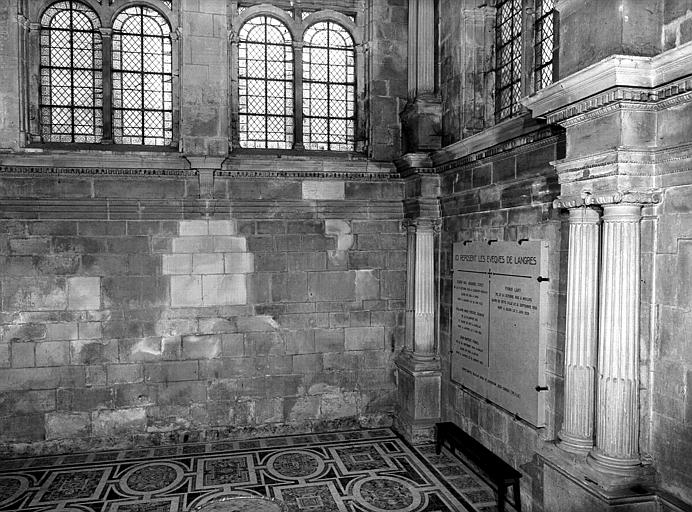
[322,175]
[171,209]
[19,170]
[641,82]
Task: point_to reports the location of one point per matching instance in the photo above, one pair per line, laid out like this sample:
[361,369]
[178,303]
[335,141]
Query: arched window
[71,91]
[142,78]
[265,83]
[328,88]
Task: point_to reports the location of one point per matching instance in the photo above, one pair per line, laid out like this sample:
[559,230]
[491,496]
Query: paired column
[617,422]
[581,341]
[602,377]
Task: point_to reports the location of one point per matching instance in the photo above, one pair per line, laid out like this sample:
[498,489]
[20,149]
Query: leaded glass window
[544,43]
[142,78]
[71,91]
[508,58]
[328,88]
[265,84]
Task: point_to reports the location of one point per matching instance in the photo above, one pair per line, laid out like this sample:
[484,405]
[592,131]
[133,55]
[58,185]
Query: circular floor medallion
[11,488]
[293,464]
[151,478]
[384,493]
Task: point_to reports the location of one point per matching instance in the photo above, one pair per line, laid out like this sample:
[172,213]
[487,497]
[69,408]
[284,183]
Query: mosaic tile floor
[358,471]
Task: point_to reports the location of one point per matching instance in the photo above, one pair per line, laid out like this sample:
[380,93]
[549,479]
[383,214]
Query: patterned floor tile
[357,471]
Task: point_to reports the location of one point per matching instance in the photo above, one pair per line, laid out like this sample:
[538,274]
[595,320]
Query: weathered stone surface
[118,422]
[67,425]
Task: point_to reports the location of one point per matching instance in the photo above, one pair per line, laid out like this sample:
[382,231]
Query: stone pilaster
[424,316]
[616,453]
[419,376]
[422,116]
[410,284]
[577,432]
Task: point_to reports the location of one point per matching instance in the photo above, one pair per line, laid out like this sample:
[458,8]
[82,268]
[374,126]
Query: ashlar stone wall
[126,322]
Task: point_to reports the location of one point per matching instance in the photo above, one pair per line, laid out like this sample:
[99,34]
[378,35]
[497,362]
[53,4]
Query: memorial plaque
[498,334]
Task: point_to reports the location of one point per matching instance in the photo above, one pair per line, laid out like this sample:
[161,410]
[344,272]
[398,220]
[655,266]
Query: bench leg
[501,490]
[438,444]
[517,496]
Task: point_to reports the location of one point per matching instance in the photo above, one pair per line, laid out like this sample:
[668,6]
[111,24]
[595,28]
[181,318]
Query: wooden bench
[500,473]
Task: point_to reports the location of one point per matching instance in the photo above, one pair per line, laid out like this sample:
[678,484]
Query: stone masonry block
[367,284]
[202,346]
[193,244]
[289,287]
[223,227]
[229,244]
[364,338]
[94,352]
[22,333]
[171,371]
[194,228]
[211,263]
[53,353]
[22,428]
[224,290]
[238,263]
[116,423]
[332,286]
[124,373]
[233,345]
[67,425]
[323,190]
[84,293]
[393,284]
[27,402]
[62,331]
[23,355]
[177,264]
[186,291]
[34,294]
[71,400]
[5,361]
[89,330]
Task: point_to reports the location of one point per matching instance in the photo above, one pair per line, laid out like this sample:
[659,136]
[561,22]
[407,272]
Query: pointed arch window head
[328,88]
[71,88]
[265,84]
[142,78]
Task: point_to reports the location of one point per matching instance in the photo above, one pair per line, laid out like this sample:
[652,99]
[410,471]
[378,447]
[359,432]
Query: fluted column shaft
[410,285]
[424,300]
[426,47]
[617,420]
[412,47]
[581,341]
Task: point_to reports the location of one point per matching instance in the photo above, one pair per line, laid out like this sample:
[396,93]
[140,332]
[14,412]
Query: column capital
[106,32]
[588,198]
[423,224]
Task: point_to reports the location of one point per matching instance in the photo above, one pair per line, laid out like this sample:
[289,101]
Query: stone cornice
[94,159]
[306,167]
[616,79]
[26,171]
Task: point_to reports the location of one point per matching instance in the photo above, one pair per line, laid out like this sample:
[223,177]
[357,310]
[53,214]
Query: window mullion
[298,95]
[107,84]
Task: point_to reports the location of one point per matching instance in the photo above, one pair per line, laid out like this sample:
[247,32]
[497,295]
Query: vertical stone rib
[410,285]
[424,290]
[617,422]
[412,48]
[426,46]
[576,435]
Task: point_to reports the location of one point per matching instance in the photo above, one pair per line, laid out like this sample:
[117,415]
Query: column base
[616,473]
[419,390]
[575,444]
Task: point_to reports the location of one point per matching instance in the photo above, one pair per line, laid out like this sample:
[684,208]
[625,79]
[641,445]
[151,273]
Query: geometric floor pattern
[355,471]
